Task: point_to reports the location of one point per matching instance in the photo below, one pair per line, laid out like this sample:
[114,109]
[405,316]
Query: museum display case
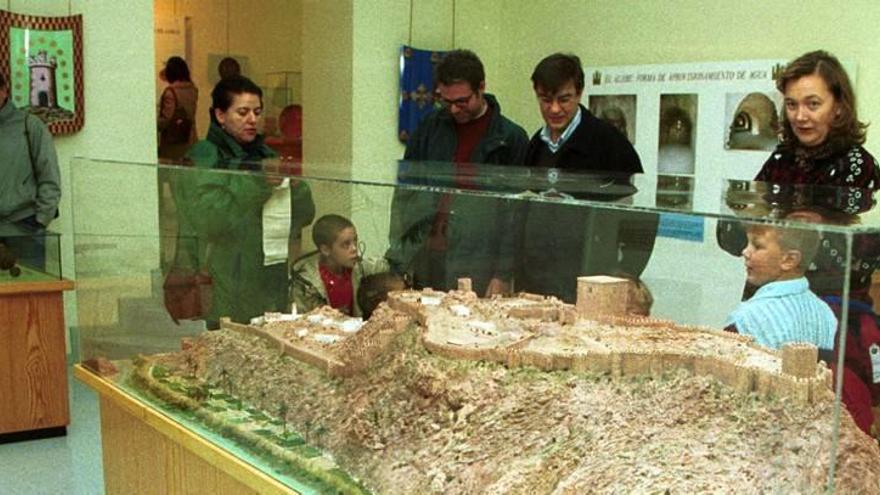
[28,255]
[34,357]
[282,124]
[529,331]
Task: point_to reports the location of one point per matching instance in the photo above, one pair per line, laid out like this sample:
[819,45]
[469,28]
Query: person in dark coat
[561,242]
[221,214]
[440,237]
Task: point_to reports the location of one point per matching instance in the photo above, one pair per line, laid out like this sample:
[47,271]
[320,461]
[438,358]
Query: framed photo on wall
[42,59]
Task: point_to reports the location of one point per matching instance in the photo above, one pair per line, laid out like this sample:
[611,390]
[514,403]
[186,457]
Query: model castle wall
[552,335]
[352,355]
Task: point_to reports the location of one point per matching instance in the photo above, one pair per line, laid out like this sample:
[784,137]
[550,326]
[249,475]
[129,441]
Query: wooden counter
[33,360]
[147,452]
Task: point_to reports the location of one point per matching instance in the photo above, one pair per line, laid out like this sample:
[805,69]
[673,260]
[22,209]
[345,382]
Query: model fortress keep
[594,335]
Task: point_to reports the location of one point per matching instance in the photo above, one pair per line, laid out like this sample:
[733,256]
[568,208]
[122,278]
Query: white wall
[267,32]
[119,117]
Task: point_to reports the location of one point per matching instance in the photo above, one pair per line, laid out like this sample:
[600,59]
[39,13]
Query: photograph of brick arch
[42,58]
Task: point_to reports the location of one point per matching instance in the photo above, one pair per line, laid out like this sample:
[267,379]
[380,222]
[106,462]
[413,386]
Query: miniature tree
[374,416]
[282,413]
[191,365]
[226,382]
[224,377]
[319,435]
[307,430]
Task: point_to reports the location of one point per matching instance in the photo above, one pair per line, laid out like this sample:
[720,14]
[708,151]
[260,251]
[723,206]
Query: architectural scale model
[444,392]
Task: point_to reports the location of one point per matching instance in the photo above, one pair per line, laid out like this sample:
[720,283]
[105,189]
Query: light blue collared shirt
[783,312]
[554,147]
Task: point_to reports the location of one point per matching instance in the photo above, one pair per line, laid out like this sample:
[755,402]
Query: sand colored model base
[524,332]
[445,392]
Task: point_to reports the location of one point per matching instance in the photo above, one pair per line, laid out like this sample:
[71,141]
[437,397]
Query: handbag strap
[208,249]
[174,94]
[200,266]
[176,101]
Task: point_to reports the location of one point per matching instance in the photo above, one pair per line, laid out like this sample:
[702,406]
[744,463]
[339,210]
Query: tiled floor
[68,465]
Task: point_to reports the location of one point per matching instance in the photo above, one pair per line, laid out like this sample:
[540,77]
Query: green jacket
[480,233]
[30,184]
[307,288]
[220,217]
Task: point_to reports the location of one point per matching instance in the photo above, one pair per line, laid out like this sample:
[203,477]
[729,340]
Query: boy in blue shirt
[783,309]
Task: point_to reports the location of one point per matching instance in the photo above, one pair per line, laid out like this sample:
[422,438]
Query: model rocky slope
[447,393]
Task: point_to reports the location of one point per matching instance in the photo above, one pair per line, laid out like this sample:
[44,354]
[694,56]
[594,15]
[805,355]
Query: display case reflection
[28,256]
[466,382]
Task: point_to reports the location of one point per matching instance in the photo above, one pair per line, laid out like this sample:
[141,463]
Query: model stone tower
[601,295]
[43,88]
[799,359]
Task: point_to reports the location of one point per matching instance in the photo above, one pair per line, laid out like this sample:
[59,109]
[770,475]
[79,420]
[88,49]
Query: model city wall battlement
[327,339]
[593,335]
[392,405]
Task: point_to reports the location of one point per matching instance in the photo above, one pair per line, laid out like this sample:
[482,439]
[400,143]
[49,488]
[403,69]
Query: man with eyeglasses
[572,137]
[562,242]
[439,238]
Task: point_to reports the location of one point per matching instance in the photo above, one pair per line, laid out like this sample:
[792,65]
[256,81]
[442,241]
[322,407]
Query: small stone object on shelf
[101,365]
[8,261]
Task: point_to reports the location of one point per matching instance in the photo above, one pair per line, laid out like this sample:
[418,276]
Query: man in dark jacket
[439,237]
[562,242]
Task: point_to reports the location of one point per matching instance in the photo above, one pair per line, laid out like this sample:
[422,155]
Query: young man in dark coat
[439,237]
[562,242]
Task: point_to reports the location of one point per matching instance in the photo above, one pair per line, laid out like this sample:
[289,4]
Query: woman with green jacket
[221,213]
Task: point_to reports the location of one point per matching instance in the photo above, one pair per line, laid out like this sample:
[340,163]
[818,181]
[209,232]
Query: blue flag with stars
[416,88]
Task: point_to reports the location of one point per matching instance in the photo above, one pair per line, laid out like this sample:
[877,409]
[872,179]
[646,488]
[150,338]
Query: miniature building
[595,335]
[601,295]
[799,359]
[43,87]
[465,285]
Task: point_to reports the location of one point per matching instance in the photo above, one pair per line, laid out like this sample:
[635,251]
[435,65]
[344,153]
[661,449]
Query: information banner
[692,124]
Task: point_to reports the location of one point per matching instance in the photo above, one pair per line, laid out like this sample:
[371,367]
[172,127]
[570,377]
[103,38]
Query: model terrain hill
[443,392]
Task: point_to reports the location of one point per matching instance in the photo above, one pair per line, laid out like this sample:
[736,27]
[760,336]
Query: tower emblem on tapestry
[42,57]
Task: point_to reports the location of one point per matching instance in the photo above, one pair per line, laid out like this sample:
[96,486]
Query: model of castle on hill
[595,335]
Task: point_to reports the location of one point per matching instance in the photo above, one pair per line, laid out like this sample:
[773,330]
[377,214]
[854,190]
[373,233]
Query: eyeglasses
[548,100]
[458,102]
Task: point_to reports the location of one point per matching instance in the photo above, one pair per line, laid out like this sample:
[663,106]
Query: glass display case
[28,254]
[282,125]
[507,330]
[34,358]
